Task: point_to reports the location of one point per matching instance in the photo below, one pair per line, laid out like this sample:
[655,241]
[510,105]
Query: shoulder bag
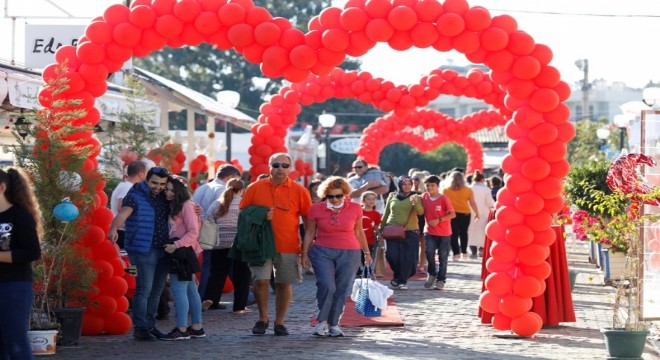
[208,234]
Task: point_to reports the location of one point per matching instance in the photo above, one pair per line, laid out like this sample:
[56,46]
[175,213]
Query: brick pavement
[438,324]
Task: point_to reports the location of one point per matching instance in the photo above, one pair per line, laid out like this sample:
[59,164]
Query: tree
[399,158]
[585,146]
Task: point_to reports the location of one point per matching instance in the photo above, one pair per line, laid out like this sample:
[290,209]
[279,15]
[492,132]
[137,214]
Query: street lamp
[621,121]
[22,127]
[603,134]
[327,122]
[651,97]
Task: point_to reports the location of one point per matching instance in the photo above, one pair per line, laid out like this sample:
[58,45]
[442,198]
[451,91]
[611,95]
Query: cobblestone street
[438,325]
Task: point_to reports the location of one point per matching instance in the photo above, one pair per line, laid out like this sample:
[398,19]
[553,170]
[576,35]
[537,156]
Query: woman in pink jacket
[184,230]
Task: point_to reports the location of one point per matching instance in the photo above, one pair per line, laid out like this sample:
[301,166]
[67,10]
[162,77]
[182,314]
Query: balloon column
[169,156]
[196,167]
[533,89]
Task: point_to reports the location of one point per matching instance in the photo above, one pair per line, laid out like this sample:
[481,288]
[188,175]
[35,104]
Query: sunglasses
[337,196]
[358,167]
[159,171]
[277,165]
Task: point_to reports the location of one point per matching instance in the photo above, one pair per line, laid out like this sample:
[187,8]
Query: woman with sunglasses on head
[335,253]
[20,228]
[402,208]
[224,212]
[184,231]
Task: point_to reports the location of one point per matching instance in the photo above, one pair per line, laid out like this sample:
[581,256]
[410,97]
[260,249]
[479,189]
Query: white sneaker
[456,257]
[430,279]
[335,331]
[321,329]
[439,285]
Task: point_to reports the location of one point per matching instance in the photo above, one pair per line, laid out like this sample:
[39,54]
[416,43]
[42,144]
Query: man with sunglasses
[368,179]
[287,201]
[144,213]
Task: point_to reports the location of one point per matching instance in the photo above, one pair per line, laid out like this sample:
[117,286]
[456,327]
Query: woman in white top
[225,212]
[484,200]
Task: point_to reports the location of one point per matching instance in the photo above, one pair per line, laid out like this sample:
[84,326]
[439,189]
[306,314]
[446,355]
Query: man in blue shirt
[144,214]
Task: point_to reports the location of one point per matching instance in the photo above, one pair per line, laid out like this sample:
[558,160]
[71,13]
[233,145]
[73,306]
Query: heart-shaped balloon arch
[521,85]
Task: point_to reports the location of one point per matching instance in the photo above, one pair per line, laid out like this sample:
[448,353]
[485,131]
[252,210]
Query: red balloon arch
[533,95]
[412,129]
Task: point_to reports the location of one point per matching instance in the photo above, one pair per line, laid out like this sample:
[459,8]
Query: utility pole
[583,64]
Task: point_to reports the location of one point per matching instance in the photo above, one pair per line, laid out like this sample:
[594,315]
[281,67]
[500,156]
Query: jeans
[206,272]
[403,256]
[15,306]
[335,273]
[152,272]
[459,230]
[186,298]
[441,244]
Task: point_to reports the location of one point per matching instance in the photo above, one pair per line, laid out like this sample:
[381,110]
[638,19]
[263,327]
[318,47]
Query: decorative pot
[624,344]
[43,342]
[70,320]
[614,265]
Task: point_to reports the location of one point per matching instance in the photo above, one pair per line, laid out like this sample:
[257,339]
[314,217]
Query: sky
[617,37]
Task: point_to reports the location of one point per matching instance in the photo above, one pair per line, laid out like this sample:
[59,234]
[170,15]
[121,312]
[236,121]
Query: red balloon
[94,236]
[502,252]
[402,18]
[492,265]
[499,283]
[528,203]
[501,322]
[335,39]
[168,26]
[527,287]
[535,168]
[489,302]
[428,10]
[540,271]
[477,19]
[527,324]
[142,16]
[267,34]
[450,24]
[494,39]
[303,57]
[232,14]
[514,305]
[353,19]
[519,235]
[90,53]
[379,30]
[126,34]
[507,216]
[114,286]
[99,32]
[103,305]
[103,218]
[240,35]
[533,254]
[520,43]
[103,269]
[122,304]
[117,323]
[92,324]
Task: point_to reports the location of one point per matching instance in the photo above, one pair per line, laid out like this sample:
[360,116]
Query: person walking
[402,255]
[368,179]
[145,214]
[335,253]
[288,201]
[484,200]
[224,212]
[184,231]
[20,230]
[204,196]
[462,198]
[438,213]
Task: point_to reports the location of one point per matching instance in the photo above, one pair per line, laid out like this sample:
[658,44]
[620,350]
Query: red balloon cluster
[534,91]
[196,167]
[169,156]
[302,168]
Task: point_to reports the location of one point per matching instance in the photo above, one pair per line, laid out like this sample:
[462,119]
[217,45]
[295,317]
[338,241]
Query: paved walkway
[438,324]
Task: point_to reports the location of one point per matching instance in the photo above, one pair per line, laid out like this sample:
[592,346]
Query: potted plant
[56,157]
[627,336]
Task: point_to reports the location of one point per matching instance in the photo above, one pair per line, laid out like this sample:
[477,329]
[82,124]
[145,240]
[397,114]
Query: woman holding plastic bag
[335,253]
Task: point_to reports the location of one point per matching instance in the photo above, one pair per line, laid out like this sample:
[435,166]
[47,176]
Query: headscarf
[400,195]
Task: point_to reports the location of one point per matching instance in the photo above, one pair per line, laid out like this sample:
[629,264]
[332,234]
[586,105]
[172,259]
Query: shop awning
[203,103]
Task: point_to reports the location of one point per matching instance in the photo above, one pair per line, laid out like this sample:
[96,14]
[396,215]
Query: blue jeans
[441,244]
[152,272]
[403,256]
[206,272]
[335,272]
[15,306]
[186,298]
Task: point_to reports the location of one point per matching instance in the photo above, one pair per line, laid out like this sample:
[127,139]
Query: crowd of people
[269,233]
